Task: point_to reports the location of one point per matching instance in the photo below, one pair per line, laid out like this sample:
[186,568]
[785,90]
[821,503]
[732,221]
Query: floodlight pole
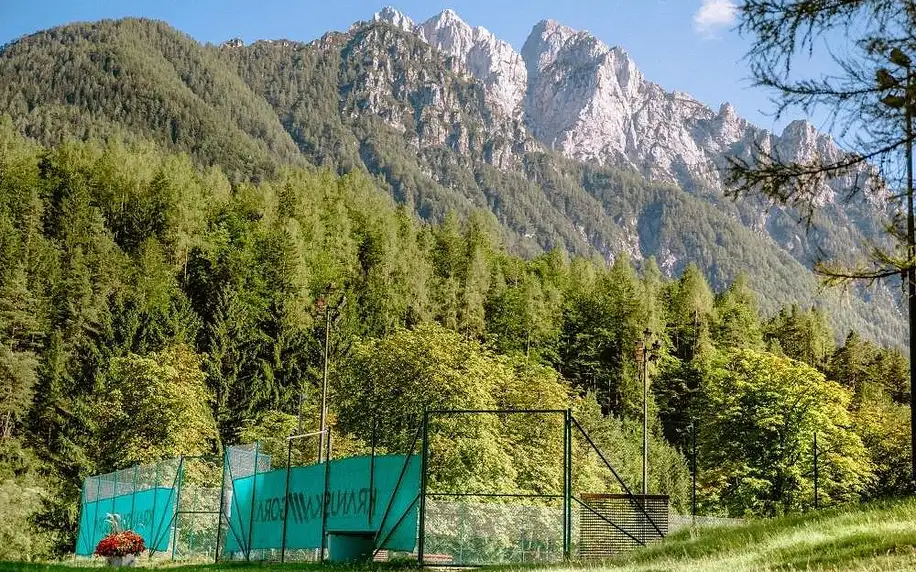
[693,495]
[322,416]
[645,414]
[646,353]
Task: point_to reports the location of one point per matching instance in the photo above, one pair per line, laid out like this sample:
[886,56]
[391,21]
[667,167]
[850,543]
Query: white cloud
[714,15]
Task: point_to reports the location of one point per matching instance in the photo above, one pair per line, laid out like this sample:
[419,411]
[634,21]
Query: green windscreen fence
[365,494]
[143,499]
[147,513]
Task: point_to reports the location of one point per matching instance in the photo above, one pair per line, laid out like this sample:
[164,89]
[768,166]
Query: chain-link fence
[678,522]
[235,534]
[608,516]
[173,504]
[477,530]
[301,450]
[477,508]
[582,509]
[198,508]
[469,503]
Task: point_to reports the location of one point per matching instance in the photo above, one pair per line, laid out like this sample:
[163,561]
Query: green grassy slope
[879,537]
[875,537]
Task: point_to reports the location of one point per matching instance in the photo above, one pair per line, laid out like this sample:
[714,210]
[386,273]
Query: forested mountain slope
[383,100]
[140,78]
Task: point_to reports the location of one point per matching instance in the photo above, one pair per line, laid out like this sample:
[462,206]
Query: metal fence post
[424,467]
[289,458]
[98,493]
[372,471]
[155,536]
[815,472]
[114,494]
[566,485]
[133,500]
[219,519]
[180,478]
[693,499]
[326,497]
[254,485]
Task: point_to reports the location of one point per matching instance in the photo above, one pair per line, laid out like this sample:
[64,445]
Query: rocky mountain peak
[395,18]
[590,101]
[449,15]
[233,43]
[543,45]
[727,112]
[802,131]
[491,60]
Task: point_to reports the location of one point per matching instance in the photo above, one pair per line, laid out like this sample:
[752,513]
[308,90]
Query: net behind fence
[197,515]
[611,524]
[240,461]
[476,531]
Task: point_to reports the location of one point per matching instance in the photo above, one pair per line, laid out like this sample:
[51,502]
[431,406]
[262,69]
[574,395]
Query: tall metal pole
[180,479]
[424,467]
[566,486]
[693,499]
[645,412]
[289,461]
[254,486]
[322,416]
[325,500]
[222,500]
[911,253]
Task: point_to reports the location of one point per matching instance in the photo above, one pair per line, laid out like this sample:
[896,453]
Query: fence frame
[430,415]
[567,495]
[169,526]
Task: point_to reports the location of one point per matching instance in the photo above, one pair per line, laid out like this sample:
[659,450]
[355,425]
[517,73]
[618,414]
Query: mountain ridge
[382,99]
[590,102]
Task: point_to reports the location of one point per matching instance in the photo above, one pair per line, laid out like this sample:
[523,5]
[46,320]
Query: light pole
[644,354]
[323,411]
[886,81]
[693,477]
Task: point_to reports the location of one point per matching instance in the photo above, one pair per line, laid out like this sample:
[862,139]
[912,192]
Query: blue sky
[684,45]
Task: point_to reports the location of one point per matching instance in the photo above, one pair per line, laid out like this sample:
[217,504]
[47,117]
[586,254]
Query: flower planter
[118,561]
[120,547]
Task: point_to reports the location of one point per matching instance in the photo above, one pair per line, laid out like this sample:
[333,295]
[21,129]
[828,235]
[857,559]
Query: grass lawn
[876,537]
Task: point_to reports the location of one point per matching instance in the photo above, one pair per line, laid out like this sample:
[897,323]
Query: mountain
[565,143]
[591,103]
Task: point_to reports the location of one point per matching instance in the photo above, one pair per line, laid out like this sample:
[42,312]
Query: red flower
[121,544]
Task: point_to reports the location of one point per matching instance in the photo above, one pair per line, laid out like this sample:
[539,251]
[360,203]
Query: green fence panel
[257,506]
[148,513]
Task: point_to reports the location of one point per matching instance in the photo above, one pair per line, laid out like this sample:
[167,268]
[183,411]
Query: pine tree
[737,321]
[849,364]
[803,335]
[691,312]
